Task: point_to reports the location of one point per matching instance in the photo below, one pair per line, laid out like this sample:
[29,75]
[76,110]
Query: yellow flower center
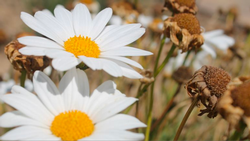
[82,46]
[72,125]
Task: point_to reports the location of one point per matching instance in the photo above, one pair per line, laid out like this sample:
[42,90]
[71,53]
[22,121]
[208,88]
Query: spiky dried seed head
[241,97]
[25,62]
[216,80]
[187,21]
[188,3]
[182,74]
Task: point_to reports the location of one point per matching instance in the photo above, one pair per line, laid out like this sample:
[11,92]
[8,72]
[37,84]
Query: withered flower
[234,105]
[147,77]
[209,83]
[184,31]
[156,25]
[181,6]
[3,36]
[25,62]
[124,9]
[182,74]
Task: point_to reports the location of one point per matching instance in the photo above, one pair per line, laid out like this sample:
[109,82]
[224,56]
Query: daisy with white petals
[69,113]
[74,38]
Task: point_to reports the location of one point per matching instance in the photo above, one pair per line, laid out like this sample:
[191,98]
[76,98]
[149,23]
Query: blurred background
[232,16]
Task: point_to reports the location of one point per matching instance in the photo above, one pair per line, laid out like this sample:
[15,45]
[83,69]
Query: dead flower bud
[181,6]
[184,31]
[182,74]
[124,9]
[210,83]
[26,62]
[147,77]
[235,105]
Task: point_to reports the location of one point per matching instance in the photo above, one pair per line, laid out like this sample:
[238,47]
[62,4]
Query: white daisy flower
[216,38]
[74,38]
[69,113]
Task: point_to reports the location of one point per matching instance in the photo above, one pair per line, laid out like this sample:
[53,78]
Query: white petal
[13,119]
[106,87]
[66,63]
[127,71]
[213,33]
[125,51]
[99,22]
[120,122]
[41,42]
[113,108]
[48,93]
[105,33]
[82,20]
[32,51]
[55,53]
[93,63]
[38,27]
[73,86]
[65,18]
[51,23]
[125,60]
[29,105]
[209,49]
[25,132]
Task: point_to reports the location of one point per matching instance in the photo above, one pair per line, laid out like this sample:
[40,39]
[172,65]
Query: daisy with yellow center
[74,38]
[68,113]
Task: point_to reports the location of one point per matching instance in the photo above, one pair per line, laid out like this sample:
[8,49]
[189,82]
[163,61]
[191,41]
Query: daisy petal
[73,85]
[51,23]
[125,60]
[106,87]
[211,34]
[32,51]
[30,106]
[65,18]
[119,122]
[53,53]
[35,41]
[99,22]
[13,119]
[25,132]
[82,21]
[38,27]
[66,63]
[113,108]
[125,51]
[209,50]
[48,93]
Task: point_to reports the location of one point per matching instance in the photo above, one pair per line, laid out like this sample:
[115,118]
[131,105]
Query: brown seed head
[187,21]
[241,97]
[25,62]
[182,74]
[188,3]
[216,80]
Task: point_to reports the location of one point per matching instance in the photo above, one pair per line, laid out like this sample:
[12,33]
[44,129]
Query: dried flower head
[181,6]
[3,36]
[147,77]
[25,62]
[156,25]
[235,105]
[124,9]
[184,31]
[209,83]
[182,74]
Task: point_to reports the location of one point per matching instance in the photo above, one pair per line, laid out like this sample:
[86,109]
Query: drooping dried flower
[181,6]
[25,62]
[147,77]
[124,9]
[235,105]
[182,74]
[210,84]
[184,31]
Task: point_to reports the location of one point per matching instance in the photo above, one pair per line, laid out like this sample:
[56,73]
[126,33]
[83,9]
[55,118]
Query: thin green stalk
[184,62]
[238,133]
[184,120]
[22,78]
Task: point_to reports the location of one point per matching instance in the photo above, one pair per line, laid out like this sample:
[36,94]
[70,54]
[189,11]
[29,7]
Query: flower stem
[188,53]
[22,78]
[184,120]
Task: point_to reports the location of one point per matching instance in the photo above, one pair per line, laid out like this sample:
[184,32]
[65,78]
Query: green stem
[184,120]
[238,133]
[184,62]
[23,77]
[165,60]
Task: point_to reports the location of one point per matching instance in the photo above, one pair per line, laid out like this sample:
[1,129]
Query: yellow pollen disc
[72,125]
[82,46]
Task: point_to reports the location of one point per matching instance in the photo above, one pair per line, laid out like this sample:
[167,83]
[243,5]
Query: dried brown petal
[184,31]
[210,83]
[26,62]
[181,6]
[147,77]
[182,74]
